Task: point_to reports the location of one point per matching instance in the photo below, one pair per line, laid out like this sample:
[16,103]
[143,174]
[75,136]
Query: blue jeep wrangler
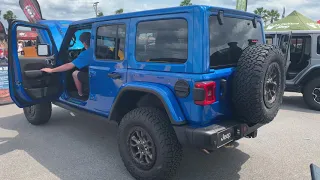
[194,76]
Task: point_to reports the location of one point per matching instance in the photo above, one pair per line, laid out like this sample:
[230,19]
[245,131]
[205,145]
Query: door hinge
[92,73]
[18,83]
[93,97]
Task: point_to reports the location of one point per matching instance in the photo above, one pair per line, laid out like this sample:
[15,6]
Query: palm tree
[186,3]
[9,16]
[263,13]
[274,15]
[119,11]
[100,14]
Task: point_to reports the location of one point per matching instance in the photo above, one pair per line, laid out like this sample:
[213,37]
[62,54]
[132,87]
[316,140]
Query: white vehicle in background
[303,66]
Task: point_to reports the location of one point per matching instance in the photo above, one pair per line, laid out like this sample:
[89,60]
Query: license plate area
[224,137]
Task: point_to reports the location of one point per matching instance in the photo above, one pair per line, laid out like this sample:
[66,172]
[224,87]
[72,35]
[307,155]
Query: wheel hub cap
[272,85]
[142,148]
[316,95]
[31,110]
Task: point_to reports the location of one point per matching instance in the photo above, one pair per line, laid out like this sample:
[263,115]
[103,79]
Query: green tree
[119,11]
[274,15]
[9,15]
[186,3]
[100,14]
[263,13]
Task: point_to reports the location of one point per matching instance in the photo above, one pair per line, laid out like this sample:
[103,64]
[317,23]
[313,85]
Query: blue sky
[81,9]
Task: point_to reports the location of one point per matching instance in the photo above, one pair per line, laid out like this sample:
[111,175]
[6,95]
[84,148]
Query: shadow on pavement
[222,164]
[296,103]
[83,148]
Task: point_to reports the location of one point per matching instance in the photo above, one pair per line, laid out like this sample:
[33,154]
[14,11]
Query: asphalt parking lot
[81,148]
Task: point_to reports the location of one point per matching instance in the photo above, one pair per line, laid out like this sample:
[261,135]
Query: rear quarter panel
[195,115]
[195,69]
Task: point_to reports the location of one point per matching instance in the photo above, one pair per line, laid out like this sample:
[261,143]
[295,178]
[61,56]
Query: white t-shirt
[20,47]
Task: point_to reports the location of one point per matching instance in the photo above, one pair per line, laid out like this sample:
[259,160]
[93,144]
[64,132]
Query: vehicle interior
[75,48]
[300,55]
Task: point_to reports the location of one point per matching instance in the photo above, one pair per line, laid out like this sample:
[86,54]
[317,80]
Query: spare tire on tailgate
[258,84]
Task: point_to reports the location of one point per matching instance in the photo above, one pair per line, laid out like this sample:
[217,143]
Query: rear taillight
[204,93]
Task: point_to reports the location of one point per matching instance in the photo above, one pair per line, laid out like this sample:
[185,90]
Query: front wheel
[148,145]
[38,114]
[311,94]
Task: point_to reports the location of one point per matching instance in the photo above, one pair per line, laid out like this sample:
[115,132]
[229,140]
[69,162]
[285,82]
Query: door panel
[36,82]
[284,44]
[28,84]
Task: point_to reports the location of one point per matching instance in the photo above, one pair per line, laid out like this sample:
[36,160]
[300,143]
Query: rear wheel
[148,145]
[38,114]
[258,85]
[311,94]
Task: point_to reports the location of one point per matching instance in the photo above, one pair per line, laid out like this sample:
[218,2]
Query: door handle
[114,75]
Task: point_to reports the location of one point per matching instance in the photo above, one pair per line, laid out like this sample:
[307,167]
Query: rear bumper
[214,136]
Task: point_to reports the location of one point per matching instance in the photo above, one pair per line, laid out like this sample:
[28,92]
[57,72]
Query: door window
[269,39]
[28,39]
[162,41]
[110,42]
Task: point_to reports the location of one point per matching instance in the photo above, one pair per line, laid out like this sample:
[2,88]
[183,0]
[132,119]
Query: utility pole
[95,7]
[284,12]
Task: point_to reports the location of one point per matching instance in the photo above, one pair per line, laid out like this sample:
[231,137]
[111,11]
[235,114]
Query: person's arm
[61,68]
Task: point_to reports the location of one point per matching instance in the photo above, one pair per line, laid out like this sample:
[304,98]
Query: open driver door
[28,84]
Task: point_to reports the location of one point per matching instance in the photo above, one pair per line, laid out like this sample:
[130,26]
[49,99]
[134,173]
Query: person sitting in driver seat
[81,62]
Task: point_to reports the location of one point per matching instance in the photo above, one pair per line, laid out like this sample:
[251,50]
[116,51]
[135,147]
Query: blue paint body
[159,78]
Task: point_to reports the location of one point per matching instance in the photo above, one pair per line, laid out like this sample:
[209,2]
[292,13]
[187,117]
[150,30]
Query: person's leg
[77,82]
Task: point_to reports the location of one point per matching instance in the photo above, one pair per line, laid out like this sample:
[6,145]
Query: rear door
[108,71]
[28,84]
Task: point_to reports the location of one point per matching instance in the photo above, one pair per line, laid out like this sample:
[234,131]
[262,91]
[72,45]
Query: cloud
[82,9]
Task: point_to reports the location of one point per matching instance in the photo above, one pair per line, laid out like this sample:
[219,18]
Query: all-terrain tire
[254,78]
[168,151]
[308,91]
[38,114]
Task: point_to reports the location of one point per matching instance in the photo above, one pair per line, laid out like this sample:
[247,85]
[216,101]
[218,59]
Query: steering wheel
[73,41]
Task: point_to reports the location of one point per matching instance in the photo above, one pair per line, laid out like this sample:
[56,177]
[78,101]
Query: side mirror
[43,50]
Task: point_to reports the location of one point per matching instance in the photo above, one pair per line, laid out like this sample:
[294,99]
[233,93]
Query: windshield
[227,41]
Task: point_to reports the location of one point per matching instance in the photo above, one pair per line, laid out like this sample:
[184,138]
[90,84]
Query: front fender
[166,96]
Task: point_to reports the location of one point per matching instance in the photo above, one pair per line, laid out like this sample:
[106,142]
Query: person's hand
[47,70]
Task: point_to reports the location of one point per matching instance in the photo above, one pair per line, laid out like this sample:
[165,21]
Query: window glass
[111,39]
[269,40]
[162,41]
[227,41]
[27,40]
[296,44]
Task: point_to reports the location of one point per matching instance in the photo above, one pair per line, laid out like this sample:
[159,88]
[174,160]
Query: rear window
[227,41]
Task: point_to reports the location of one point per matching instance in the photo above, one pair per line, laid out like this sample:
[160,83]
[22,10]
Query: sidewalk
[5,97]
